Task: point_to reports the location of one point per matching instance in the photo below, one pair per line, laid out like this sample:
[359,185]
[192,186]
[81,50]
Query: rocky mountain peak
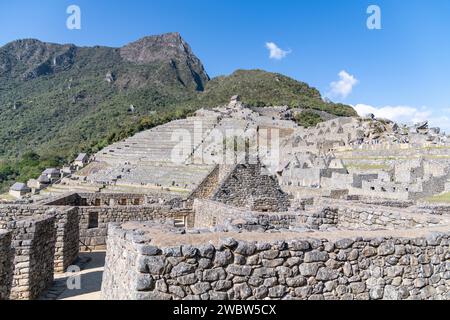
[31,58]
[156,48]
[169,48]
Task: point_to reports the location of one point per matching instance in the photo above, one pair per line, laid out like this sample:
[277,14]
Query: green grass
[441,198]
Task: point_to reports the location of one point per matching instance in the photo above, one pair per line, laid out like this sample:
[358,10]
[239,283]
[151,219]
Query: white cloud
[276,52]
[344,86]
[407,115]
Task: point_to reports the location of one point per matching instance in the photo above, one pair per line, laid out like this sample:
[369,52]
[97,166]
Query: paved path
[92,266]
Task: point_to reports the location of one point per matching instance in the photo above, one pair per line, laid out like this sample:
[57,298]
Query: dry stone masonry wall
[211,214]
[368,216]
[6,266]
[34,248]
[67,238]
[359,268]
[67,225]
[248,187]
[94,220]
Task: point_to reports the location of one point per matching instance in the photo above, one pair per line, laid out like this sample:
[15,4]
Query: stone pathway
[92,266]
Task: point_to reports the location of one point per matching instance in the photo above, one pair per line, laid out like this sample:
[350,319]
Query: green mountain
[259,88]
[59,100]
[56,97]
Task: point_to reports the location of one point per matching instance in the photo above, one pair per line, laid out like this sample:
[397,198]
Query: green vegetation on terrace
[308,119]
[441,198]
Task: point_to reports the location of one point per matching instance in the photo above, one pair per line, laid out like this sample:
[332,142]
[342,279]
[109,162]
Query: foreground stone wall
[6,256]
[94,234]
[67,238]
[67,224]
[34,249]
[346,269]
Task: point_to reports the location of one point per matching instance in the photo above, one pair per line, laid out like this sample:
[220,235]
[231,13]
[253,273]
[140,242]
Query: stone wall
[325,214]
[34,249]
[67,238]
[12,212]
[109,199]
[346,269]
[319,218]
[206,189]
[435,208]
[94,220]
[382,202]
[67,225]
[6,256]
[366,216]
[120,268]
[209,214]
[88,224]
[359,178]
[71,199]
[248,187]
[371,218]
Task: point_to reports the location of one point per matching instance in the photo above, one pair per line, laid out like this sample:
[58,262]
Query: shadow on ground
[90,279]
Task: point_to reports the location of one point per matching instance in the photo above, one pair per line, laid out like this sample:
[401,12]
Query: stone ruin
[344,214]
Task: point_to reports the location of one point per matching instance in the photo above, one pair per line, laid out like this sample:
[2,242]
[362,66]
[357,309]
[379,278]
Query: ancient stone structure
[211,214]
[242,203]
[66,224]
[33,243]
[6,264]
[247,187]
[288,267]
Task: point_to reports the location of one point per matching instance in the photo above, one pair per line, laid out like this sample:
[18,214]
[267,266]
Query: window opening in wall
[136,202]
[93,220]
[123,202]
[97,202]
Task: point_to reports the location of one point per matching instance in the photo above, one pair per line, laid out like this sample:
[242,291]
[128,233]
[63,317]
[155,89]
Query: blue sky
[401,71]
